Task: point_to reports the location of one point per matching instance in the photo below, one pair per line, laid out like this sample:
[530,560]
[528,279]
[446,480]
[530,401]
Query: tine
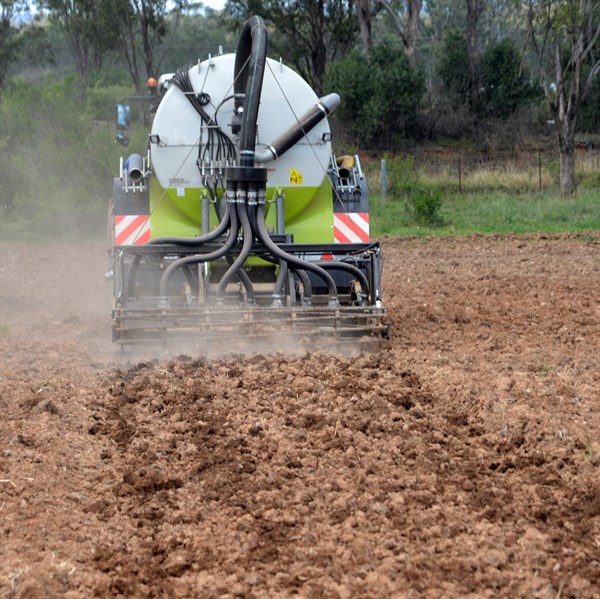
[135,326]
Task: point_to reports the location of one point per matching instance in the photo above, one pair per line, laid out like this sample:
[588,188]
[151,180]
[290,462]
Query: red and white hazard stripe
[132,229]
[351,227]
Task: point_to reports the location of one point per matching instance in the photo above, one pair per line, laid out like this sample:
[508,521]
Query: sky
[216,4]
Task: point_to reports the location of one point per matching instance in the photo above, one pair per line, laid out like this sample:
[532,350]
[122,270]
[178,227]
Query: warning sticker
[295,177]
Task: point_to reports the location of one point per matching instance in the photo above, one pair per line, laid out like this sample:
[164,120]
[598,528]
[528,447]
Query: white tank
[285,98]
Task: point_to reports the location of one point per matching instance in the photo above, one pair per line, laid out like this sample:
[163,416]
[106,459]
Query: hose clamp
[252,195]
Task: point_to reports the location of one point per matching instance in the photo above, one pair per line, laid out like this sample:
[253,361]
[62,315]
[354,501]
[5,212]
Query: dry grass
[508,178]
[61,570]
[588,164]
[523,174]
[12,581]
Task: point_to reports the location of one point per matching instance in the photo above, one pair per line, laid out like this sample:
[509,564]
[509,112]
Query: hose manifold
[247,174]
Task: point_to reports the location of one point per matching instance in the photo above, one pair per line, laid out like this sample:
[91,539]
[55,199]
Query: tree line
[405,68]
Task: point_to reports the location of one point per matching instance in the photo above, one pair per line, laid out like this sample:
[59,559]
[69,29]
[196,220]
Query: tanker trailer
[239,222]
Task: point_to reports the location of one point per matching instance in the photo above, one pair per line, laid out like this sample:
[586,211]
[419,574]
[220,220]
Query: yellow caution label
[295,177]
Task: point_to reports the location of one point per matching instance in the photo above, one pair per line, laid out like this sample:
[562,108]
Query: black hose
[279,284]
[252,218]
[306,284]
[249,72]
[196,241]
[245,280]
[200,258]
[292,260]
[192,280]
[184,241]
[234,269]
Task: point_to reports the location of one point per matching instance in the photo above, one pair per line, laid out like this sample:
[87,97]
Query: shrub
[505,84]
[423,203]
[58,165]
[424,206]
[452,64]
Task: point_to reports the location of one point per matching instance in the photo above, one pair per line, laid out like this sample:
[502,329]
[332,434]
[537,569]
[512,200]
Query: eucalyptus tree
[88,27]
[145,26]
[405,16]
[307,33]
[134,30]
[364,14]
[9,43]
[565,35]
[474,8]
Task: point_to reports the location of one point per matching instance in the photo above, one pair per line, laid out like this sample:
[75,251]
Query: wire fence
[529,170]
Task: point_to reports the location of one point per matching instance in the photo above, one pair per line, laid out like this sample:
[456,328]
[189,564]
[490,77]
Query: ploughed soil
[460,460]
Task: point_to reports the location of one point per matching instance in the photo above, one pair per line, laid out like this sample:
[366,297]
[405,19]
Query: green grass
[501,197]
[493,212]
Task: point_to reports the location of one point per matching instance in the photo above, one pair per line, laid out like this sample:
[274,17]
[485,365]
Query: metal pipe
[280,213]
[345,165]
[325,106]
[135,168]
[205,214]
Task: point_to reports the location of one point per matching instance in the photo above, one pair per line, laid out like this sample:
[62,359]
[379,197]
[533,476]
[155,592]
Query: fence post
[459,175]
[540,168]
[383,178]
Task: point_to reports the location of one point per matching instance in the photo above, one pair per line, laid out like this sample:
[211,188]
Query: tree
[407,27]
[564,35]
[9,42]
[144,27]
[96,29]
[198,34]
[473,13]
[308,33]
[445,15]
[89,28]
[363,16]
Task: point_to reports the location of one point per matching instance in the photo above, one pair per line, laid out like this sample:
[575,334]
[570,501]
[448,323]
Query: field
[461,460]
